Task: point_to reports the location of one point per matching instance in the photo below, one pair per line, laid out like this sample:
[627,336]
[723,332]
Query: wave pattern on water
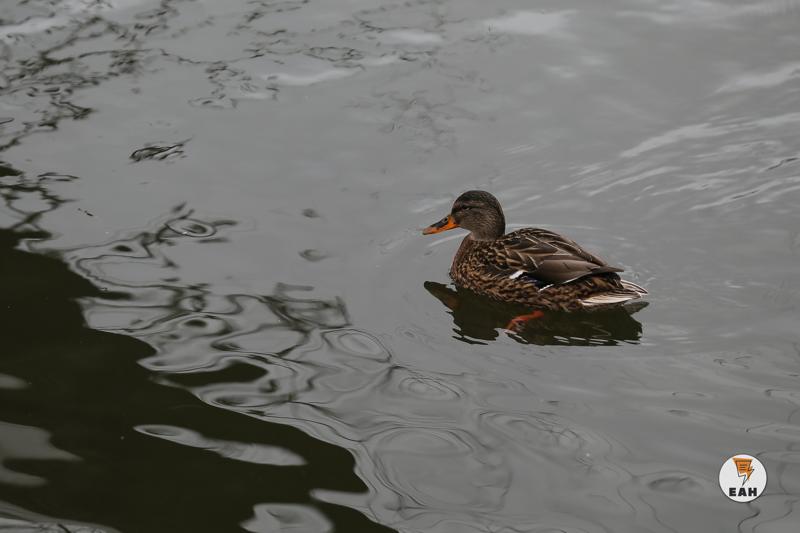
[222,398]
[427,449]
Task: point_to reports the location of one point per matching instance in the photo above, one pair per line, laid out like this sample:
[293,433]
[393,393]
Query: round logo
[742,478]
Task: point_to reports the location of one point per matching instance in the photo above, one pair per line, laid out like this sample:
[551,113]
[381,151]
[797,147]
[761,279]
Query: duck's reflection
[479,319]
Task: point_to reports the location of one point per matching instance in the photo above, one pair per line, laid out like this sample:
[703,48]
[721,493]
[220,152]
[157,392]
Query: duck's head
[476,211]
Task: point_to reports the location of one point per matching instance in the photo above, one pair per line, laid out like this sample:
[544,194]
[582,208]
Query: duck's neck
[491,227]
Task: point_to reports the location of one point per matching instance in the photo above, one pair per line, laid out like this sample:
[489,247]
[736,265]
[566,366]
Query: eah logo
[742,478]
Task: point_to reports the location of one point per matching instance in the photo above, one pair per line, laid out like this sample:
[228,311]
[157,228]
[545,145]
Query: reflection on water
[86,430]
[158,152]
[477,318]
[82,394]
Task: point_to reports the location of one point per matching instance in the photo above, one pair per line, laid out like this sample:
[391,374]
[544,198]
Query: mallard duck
[534,267]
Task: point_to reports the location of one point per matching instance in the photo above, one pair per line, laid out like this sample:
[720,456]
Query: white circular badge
[742,478]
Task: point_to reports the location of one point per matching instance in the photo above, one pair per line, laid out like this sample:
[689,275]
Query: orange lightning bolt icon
[744,467]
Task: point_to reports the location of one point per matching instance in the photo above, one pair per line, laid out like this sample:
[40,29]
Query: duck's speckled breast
[470,269]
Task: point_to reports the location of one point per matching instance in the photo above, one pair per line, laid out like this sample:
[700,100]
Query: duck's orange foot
[517,323]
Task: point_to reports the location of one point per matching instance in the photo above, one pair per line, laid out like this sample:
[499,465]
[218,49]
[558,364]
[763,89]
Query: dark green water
[219,314]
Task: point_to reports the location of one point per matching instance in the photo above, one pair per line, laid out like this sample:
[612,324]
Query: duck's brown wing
[545,256]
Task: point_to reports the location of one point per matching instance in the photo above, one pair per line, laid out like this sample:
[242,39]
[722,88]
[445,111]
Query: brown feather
[530,266]
[557,272]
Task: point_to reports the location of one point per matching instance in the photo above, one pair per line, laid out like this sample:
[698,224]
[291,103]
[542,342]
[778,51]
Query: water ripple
[286,518]
[441,469]
[381,399]
[239,451]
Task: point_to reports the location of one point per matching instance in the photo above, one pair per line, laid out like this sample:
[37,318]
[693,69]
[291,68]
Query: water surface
[220,314]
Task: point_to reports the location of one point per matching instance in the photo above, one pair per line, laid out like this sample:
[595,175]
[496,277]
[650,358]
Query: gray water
[221,316]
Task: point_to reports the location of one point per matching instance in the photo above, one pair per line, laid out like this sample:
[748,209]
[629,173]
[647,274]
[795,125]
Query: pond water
[220,315]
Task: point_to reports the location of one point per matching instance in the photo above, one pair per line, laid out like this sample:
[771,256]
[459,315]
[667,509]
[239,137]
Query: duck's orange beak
[443,225]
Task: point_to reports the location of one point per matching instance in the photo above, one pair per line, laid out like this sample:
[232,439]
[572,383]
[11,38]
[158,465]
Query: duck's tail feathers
[629,291]
[631,286]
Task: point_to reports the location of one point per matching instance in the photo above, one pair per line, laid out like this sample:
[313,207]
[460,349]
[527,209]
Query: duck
[532,267]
